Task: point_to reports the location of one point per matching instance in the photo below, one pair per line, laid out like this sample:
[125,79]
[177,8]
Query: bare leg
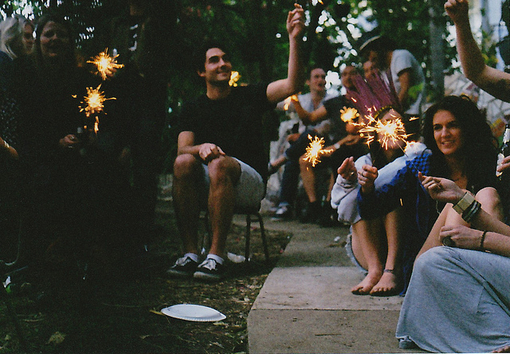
[224,172]
[369,252]
[187,176]
[308,177]
[390,281]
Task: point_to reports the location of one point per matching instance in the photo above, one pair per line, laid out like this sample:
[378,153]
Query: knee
[434,259]
[490,200]
[185,165]
[221,169]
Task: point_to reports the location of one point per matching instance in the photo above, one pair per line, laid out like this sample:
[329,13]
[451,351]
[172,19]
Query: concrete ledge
[322,331]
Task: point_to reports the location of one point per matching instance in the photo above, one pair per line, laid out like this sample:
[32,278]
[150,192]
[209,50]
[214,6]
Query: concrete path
[306,306]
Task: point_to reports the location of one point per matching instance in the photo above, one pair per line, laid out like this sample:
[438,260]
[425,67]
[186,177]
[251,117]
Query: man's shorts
[249,190]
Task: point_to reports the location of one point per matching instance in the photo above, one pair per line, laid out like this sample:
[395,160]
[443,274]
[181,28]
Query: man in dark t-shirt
[220,158]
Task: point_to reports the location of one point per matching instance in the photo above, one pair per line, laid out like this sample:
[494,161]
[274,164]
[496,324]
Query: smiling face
[217,67]
[447,133]
[54,40]
[347,76]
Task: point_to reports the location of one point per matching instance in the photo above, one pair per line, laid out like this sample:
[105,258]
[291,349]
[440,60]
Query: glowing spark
[94,101]
[105,64]
[388,132]
[348,114]
[315,150]
[234,77]
[289,100]
[96,125]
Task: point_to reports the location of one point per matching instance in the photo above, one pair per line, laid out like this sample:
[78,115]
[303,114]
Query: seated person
[374,245]
[460,146]
[310,101]
[220,161]
[341,139]
[459,295]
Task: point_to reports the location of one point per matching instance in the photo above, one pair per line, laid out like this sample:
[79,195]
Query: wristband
[464,203]
[482,240]
[471,211]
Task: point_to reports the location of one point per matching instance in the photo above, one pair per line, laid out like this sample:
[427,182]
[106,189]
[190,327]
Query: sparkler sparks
[348,114]
[105,64]
[315,150]
[388,132]
[94,101]
[234,77]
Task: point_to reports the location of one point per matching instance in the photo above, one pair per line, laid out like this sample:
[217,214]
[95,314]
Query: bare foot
[388,285]
[505,349]
[366,284]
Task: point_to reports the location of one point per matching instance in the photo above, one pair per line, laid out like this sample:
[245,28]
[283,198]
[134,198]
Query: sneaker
[283,212]
[209,270]
[184,267]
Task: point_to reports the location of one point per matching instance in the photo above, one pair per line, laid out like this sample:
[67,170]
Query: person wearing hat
[404,70]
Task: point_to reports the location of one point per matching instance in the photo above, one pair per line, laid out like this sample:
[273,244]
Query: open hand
[348,170]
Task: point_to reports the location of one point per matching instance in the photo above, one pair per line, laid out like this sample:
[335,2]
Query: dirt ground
[120,312]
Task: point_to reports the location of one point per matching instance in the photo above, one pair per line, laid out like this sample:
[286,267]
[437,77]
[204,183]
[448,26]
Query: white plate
[191,312]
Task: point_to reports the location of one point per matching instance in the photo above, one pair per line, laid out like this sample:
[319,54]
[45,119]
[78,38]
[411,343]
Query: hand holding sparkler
[366,178]
[296,22]
[348,170]
[441,189]
[70,141]
[208,152]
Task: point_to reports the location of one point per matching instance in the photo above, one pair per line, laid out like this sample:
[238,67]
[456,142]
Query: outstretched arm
[281,89]
[309,117]
[494,81]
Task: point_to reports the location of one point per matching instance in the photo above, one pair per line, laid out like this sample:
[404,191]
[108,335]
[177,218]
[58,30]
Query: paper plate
[191,312]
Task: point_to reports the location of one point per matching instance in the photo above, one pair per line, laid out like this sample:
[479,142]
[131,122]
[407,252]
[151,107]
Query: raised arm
[281,89]
[494,81]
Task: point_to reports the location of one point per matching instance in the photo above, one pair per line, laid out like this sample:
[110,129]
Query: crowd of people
[424,208]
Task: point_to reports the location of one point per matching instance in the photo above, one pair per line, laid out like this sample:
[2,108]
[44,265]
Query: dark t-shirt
[233,123]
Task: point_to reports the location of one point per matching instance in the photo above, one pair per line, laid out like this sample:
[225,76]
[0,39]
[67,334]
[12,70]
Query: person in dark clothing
[221,160]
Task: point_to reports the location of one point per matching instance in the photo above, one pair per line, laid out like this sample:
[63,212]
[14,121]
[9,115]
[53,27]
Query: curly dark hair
[480,145]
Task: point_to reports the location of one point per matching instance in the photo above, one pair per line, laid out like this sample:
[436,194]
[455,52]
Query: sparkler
[94,101]
[234,77]
[348,114]
[315,150]
[105,64]
[388,131]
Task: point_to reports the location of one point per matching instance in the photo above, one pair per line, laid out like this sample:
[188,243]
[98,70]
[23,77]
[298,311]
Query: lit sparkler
[288,101]
[348,114]
[94,101]
[234,77]
[105,64]
[388,131]
[315,150]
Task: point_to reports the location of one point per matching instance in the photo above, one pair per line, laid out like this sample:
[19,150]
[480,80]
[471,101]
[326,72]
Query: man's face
[317,80]
[369,69]
[217,67]
[347,77]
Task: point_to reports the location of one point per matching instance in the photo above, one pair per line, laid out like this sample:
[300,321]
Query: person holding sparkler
[460,146]
[71,187]
[220,160]
[290,177]
[342,140]
[374,244]
[459,295]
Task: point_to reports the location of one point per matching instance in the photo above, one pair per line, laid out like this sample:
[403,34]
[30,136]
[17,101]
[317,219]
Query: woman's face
[28,38]
[447,133]
[54,40]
